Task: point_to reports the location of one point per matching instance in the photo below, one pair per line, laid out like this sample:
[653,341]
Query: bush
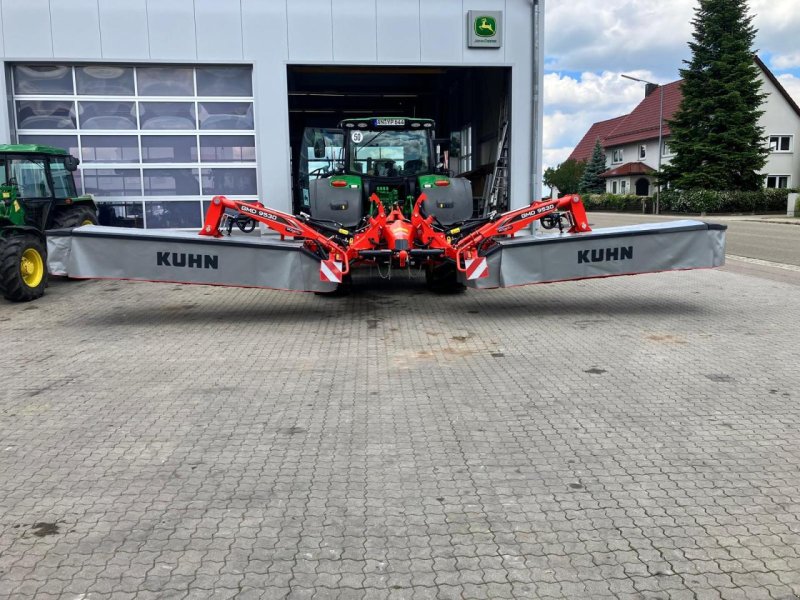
[695,201]
[707,201]
[615,202]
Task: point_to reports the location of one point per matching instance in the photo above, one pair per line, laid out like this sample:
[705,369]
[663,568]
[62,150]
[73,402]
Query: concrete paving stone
[433,453]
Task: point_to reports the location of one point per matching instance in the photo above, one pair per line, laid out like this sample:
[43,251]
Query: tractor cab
[38,188]
[391,157]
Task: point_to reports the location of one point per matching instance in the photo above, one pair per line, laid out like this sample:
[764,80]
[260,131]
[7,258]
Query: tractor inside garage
[468,104]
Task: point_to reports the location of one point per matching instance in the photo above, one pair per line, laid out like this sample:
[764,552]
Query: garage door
[155,142]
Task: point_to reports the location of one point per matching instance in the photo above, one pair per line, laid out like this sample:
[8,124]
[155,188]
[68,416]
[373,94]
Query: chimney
[649,89]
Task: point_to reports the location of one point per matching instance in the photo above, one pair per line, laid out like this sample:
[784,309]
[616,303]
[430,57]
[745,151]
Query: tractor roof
[31,149]
[387,123]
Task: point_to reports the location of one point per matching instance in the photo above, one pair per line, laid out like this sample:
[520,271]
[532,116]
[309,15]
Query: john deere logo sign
[485,26]
[485,29]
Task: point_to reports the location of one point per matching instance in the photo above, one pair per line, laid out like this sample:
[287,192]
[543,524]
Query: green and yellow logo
[485,26]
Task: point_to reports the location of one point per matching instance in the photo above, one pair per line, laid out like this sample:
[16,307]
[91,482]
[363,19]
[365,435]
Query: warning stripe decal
[477,268]
[330,271]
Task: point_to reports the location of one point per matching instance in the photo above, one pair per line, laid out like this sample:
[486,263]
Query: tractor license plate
[390,122]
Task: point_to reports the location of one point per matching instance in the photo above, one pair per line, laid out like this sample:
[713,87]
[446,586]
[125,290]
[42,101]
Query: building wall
[269,34]
[780,119]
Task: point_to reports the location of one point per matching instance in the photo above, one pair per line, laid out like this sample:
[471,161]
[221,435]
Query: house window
[642,151]
[778,181]
[623,187]
[666,150]
[613,187]
[780,143]
[616,155]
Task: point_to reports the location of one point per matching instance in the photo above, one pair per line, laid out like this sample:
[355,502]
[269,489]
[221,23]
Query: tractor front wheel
[23,267]
[74,216]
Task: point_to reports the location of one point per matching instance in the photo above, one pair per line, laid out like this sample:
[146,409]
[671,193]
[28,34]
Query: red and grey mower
[385,202]
[313,255]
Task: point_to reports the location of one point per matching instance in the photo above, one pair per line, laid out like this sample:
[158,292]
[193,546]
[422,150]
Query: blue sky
[589,44]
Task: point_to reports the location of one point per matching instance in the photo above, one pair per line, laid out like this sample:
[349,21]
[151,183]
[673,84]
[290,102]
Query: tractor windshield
[30,178]
[389,153]
[63,182]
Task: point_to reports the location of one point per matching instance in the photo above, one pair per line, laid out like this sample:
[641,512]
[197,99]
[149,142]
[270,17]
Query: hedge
[615,202]
[696,201]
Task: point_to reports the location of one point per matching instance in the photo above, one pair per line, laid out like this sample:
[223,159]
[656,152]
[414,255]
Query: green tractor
[392,157]
[37,192]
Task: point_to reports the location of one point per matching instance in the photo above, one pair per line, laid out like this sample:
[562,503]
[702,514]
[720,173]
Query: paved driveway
[631,438]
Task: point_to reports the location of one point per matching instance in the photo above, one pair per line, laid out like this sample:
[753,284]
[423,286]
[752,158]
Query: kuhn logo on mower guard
[605,254]
[187,261]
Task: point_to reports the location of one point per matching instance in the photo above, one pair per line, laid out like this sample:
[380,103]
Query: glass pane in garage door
[225,115]
[224,81]
[171,182]
[176,214]
[45,114]
[42,79]
[239,182]
[109,149]
[165,81]
[105,80]
[65,142]
[107,115]
[169,148]
[228,148]
[112,182]
[167,115]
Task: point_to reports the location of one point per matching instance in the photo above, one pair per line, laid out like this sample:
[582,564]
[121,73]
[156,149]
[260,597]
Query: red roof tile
[583,151]
[631,168]
[642,123]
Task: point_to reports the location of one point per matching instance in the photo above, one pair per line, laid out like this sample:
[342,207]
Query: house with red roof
[631,141]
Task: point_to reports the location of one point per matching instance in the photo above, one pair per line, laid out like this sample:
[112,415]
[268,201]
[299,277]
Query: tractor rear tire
[443,279]
[23,267]
[74,216]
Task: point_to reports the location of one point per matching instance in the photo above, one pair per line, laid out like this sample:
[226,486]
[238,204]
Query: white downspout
[537,105]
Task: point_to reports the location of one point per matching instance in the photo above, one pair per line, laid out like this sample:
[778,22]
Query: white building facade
[170,102]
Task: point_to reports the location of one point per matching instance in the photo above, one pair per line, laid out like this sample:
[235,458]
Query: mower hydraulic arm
[507,224]
[463,242]
[286,225]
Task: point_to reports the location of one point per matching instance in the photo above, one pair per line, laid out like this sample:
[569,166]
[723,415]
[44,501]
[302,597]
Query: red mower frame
[424,237]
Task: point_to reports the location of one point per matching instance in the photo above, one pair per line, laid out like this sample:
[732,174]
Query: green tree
[591,182]
[565,176]
[716,137]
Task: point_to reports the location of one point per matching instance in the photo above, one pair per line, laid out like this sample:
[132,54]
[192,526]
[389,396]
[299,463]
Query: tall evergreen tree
[591,182]
[718,142]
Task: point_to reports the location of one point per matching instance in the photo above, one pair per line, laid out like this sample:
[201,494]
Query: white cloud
[792,85]
[607,91]
[620,35]
[552,157]
[617,35]
[778,22]
[573,104]
[786,61]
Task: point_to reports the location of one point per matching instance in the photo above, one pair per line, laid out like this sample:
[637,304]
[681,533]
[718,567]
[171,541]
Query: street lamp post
[657,207]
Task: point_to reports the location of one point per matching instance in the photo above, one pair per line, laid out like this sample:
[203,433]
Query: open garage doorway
[468,104]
